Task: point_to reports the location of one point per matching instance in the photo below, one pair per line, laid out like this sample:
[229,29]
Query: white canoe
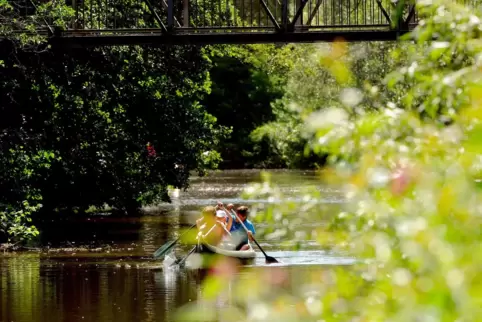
[242,254]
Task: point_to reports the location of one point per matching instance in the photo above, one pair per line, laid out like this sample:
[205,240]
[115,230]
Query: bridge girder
[144,22]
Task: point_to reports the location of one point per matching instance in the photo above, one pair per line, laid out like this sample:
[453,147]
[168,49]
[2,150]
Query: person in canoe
[231,216]
[211,212]
[229,212]
[222,220]
[210,225]
[219,206]
[238,233]
[230,208]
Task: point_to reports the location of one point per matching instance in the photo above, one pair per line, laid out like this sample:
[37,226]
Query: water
[120,281]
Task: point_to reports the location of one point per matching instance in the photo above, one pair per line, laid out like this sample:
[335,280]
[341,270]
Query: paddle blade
[271,260]
[182,261]
[164,249]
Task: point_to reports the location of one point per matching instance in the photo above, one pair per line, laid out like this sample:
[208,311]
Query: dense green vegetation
[312,87]
[245,81]
[76,125]
[266,92]
[406,168]
[115,126]
[403,149]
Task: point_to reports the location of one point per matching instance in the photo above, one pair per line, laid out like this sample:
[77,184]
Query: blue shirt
[238,228]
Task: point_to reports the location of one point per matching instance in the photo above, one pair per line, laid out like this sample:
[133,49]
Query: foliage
[435,65]
[21,20]
[19,198]
[14,220]
[312,87]
[96,110]
[245,81]
[412,213]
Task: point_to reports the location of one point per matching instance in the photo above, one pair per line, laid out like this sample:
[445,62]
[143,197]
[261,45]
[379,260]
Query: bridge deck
[70,38]
[127,22]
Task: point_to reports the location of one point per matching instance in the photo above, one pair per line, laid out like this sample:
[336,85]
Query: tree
[312,87]
[245,82]
[406,170]
[93,112]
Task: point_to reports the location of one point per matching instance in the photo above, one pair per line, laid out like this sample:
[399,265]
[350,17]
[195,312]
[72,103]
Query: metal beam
[411,14]
[284,14]
[69,39]
[314,12]
[170,14]
[270,15]
[384,12]
[298,14]
[156,16]
[185,13]
[166,7]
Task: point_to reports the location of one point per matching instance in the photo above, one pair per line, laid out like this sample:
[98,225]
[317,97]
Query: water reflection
[34,288]
[124,284]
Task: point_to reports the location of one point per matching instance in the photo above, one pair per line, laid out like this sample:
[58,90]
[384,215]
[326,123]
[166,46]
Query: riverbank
[13,248]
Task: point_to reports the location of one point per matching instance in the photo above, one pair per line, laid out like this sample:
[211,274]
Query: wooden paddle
[164,249]
[269,259]
[185,257]
[181,261]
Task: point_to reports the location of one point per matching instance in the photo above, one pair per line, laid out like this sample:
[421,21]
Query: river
[120,282]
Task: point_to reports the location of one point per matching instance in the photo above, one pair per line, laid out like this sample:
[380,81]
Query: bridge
[151,22]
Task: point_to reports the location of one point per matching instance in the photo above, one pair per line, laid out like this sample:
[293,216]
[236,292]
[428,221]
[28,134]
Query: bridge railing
[248,20]
[235,15]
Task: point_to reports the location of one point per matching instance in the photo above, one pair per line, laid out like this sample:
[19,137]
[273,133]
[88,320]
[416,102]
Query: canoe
[241,254]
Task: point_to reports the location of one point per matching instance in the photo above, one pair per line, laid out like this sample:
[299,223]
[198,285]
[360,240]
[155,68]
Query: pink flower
[400,180]
[151,152]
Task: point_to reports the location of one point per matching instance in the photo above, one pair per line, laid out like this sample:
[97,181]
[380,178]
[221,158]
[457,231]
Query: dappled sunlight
[408,172]
[385,226]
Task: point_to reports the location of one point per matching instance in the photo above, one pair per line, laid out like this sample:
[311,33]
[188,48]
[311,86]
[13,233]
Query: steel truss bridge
[149,22]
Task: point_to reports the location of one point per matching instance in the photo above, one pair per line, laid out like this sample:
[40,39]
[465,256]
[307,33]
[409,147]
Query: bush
[407,171]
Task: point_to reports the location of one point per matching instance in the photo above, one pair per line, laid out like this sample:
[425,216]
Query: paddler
[209,226]
[230,209]
[239,235]
[231,216]
[222,218]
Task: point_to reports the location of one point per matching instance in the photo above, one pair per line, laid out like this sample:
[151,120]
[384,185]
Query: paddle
[269,259]
[179,262]
[164,249]
[185,257]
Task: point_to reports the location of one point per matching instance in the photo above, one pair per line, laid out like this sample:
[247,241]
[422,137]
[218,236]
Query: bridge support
[218,38]
[121,22]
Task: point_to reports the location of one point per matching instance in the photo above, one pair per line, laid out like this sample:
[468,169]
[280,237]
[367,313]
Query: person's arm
[210,230]
[226,230]
[251,231]
[229,222]
[199,223]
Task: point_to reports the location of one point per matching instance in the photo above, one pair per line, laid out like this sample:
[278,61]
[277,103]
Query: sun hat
[220,214]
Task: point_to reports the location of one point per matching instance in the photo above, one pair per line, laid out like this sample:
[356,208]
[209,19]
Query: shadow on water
[108,273]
